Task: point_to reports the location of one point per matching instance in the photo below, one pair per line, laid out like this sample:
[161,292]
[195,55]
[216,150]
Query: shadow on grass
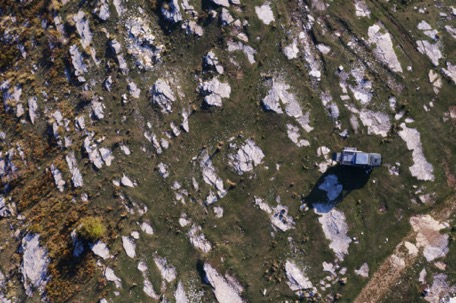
[335,184]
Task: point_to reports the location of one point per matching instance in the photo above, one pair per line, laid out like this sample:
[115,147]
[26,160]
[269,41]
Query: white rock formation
[33,108]
[363,271]
[100,249]
[102,10]
[92,151]
[125,181]
[421,169]
[214,91]
[291,51]
[361,9]
[225,17]
[97,109]
[80,68]
[191,27]
[129,246]
[210,176]
[170,10]
[179,295]
[58,180]
[163,170]
[119,7]
[211,60]
[106,155]
[246,49]
[278,215]
[428,30]
[384,50]
[145,227]
[246,158]
[167,271]
[163,95]
[294,136]
[134,90]
[264,13]
[82,26]
[429,237]
[440,290]
[76,176]
[224,3]
[297,280]
[335,229]
[141,43]
[34,265]
[147,287]
[198,239]
[224,290]
[451,30]
[120,58]
[430,50]
[450,71]
[279,96]
[377,123]
[111,276]
[218,211]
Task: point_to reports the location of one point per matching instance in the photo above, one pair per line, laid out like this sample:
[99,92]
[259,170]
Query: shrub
[91,228]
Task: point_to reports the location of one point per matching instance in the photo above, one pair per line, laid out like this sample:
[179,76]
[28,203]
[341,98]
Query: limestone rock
[246,158]
[163,95]
[34,265]
[214,91]
[224,290]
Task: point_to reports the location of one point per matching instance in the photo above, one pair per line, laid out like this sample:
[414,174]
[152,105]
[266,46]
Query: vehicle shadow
[335,184]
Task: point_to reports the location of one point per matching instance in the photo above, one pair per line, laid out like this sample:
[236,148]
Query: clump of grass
[91,229]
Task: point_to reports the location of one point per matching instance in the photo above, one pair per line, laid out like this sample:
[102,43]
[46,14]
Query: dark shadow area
[335,184]
[201,272]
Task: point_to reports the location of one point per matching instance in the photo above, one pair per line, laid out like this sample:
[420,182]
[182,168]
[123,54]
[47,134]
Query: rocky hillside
[181,151]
